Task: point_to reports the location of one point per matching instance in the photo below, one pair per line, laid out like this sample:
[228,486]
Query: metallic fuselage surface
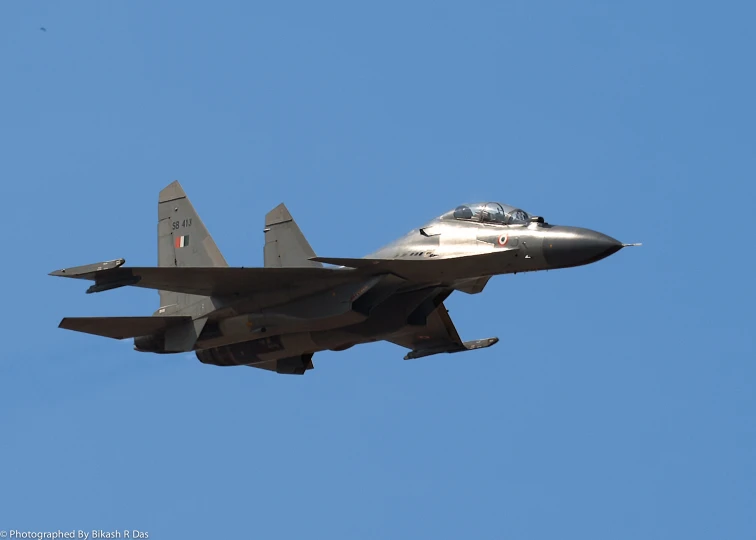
[277,317]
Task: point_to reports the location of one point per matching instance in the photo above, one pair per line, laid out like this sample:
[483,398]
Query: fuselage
[275,317]
[245,333]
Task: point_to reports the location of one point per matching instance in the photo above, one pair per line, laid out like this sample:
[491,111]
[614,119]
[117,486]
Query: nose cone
[571,246]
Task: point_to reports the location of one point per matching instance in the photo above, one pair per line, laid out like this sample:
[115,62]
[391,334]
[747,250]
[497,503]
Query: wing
[439,335]
[205,281]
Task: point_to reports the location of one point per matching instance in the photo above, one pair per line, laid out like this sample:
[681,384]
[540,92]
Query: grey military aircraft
[277,317]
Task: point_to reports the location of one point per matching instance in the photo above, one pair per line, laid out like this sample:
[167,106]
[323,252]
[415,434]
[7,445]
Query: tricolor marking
[182,241]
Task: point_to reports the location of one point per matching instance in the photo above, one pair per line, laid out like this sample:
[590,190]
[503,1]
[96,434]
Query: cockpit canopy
[488,212]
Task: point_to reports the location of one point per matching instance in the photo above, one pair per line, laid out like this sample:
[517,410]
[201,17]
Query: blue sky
[620,400]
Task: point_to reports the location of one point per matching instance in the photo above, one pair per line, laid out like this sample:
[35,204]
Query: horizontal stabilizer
[121,327]
[466,346]
[438,335]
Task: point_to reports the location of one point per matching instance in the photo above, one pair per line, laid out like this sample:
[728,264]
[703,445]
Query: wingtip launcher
[82,272]
[102,274]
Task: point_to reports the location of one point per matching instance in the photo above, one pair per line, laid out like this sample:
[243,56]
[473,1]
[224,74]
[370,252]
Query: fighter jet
[277,317]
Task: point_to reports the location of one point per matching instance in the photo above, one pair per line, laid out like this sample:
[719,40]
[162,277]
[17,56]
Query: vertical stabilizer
[285,245]
[183,239]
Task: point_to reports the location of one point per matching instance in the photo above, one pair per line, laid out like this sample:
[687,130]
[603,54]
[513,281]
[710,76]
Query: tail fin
[183,239]
[285,245]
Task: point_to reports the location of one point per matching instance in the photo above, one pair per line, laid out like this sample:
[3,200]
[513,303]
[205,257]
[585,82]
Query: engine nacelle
[247,353]
[153,344]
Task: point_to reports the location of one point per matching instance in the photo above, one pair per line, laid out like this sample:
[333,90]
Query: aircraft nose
[572,246]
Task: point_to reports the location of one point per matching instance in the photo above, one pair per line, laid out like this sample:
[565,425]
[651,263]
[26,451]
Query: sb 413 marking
[182,223]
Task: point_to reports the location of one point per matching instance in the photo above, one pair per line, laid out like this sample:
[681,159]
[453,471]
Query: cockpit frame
[488,212]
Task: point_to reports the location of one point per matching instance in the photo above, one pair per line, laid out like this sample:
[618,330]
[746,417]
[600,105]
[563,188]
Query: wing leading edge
[425,270]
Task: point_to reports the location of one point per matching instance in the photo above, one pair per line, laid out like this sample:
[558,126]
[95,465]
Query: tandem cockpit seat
[488,212]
